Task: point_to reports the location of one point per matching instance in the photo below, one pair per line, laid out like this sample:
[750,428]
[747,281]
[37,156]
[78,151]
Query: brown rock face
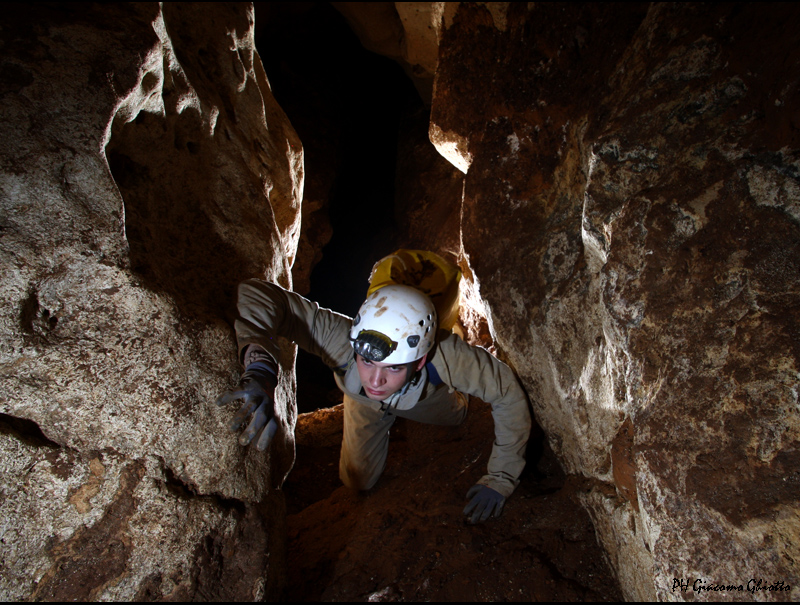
[631,215]
[146,170]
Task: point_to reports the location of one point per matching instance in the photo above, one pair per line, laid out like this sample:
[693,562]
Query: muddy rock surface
[408,540]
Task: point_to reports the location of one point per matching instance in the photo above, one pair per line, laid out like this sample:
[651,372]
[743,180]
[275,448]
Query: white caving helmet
[395,325]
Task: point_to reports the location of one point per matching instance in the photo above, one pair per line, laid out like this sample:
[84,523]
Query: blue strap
[342,369]
[433,375]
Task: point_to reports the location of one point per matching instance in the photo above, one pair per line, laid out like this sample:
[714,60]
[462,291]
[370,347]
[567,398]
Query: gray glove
[483,503]
[257,389]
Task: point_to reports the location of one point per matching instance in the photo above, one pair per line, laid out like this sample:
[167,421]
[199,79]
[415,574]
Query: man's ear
[421,362]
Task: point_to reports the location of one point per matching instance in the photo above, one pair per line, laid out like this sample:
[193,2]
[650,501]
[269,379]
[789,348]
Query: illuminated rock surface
[146,170]
[631,215]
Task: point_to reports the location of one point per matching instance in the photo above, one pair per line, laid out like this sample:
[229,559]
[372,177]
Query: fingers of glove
[473,500]
[489,507]
[483,510]
[494,505]
[474,491]
[476,508]
[498,508]
[485,503]
[229,396]
[258,421]
[265,438]
[472,505]
[250,404]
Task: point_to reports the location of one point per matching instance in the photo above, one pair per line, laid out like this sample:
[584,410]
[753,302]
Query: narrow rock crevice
[185,490]
[27,431]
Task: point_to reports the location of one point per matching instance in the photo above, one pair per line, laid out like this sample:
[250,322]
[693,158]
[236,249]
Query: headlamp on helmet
[373,345]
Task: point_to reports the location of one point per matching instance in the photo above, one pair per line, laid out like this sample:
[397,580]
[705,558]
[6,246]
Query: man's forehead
[381,364]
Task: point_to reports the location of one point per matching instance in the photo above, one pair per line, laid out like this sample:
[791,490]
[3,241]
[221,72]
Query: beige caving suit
[454,367]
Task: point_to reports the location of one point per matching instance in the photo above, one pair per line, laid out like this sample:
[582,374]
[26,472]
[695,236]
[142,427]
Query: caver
[389,361]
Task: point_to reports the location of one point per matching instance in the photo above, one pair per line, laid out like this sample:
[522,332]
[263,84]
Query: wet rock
[146,170]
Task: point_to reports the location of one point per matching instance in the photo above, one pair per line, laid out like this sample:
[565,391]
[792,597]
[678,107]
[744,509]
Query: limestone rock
[422,24]
[297,78]
[631,215]
[406,32]
[146,170]
[429,191]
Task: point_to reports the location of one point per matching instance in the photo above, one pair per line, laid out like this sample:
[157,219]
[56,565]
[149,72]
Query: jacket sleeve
[266,311]
[475,371]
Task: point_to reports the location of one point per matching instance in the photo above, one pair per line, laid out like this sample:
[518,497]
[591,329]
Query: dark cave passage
[347,105]
[354,111]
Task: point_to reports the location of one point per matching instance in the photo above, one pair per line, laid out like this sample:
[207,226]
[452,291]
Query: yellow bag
[426,271]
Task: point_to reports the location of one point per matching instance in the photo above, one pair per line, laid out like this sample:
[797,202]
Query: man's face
[381,380]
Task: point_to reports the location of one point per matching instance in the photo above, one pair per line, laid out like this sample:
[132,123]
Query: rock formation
[146,170]
[407,32]
[629,218]
[631,215]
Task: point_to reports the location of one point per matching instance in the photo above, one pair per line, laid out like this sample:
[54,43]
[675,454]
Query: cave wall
[146,170]
[631,214]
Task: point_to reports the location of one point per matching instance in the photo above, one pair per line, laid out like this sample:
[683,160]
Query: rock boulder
[146,170]
[631,216]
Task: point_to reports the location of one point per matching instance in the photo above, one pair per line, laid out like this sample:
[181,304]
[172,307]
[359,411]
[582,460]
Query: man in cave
[390,361]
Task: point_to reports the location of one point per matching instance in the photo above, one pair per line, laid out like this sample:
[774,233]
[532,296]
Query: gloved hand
[257,388]
[483,503]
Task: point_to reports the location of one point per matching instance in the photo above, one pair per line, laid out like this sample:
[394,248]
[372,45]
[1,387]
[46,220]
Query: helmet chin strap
[408,394]
[413,375]
[394,398]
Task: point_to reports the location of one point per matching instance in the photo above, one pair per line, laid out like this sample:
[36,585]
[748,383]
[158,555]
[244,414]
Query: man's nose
[376,378]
